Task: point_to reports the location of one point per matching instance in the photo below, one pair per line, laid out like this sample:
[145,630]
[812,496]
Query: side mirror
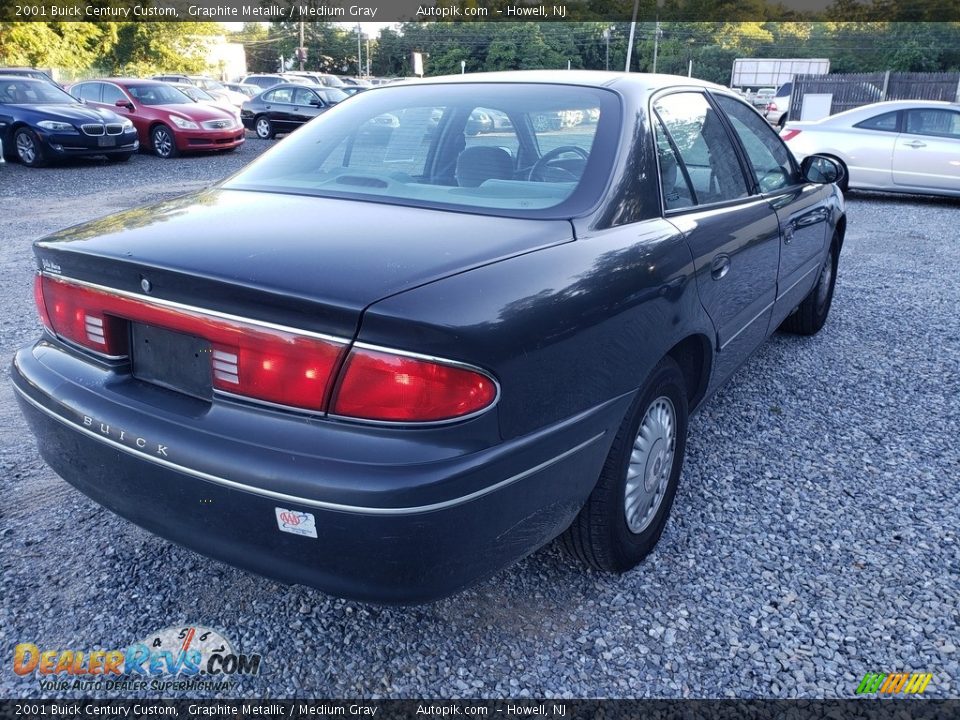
[315,102]
[124,104]
[821,170]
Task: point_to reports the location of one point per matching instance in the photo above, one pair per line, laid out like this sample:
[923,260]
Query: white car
[909,146]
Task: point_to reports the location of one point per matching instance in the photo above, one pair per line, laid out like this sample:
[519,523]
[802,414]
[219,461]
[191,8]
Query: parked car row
[167,114]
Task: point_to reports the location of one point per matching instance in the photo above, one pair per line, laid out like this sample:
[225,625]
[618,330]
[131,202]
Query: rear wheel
[811,314]
[264,128]
[163,143]
[625,514]
[28,147]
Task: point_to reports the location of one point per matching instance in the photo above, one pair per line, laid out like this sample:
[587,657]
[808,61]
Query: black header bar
[474,11]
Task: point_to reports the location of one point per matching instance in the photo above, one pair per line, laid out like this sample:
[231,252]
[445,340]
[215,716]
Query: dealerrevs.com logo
[175,658]
[894,683]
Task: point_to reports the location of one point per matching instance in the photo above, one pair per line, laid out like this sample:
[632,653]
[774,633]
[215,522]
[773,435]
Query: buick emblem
[145,284]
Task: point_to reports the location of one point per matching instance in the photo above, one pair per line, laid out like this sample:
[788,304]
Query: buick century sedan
[388,360]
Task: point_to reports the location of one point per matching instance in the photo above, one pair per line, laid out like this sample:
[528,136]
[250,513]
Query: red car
[167,121]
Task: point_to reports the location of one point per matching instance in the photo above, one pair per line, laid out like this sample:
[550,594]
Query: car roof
[131,82]
[11,76]
[595,78]
[865,112]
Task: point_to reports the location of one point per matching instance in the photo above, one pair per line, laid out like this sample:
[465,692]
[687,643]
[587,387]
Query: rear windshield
[516,149]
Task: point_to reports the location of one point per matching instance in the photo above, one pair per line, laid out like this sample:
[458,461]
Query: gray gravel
[814,536]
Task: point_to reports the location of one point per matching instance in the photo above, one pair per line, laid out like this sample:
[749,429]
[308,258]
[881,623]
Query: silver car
[909,146]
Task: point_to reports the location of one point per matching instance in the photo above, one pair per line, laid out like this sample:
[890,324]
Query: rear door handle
[720,267]
[915,144]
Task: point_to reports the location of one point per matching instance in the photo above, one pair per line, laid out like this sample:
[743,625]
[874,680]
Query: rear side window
[88,91]
[111,94]
[281,95]
[886,122]
[674,183]
[769,158]
[785,89]
[706,151]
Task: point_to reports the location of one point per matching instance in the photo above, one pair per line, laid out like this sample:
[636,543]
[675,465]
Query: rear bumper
[394,523]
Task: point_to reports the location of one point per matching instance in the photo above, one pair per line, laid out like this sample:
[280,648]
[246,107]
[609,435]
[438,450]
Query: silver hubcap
[651,463]
[823,287]
[162,142]
[263,128]
[26,148]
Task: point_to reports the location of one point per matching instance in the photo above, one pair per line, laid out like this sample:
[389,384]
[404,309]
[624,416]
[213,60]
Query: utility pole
[359,53]
[633,29]
[606,36]
[656,44]
[300,52]
[368,54]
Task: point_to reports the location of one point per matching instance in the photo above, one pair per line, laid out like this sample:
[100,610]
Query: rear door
[733,235]
[278,105]
[801,208]
[927,152]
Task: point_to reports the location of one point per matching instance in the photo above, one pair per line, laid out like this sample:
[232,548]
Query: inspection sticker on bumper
[296,522]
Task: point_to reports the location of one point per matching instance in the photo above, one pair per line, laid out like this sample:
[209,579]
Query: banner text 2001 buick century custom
[399,350]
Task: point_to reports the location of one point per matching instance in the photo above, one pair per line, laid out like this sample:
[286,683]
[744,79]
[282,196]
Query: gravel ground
[814,536]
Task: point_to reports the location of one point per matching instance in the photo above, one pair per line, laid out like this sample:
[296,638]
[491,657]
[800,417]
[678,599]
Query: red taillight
[772,107]
[73,315]
[376,385]
[789,134]
[247,358]
[273,364]
[293,371]
[41,305]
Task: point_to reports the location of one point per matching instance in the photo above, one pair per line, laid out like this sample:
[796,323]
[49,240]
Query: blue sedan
[40,123]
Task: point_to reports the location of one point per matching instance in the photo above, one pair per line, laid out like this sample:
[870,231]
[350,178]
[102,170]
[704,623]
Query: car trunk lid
[313,263]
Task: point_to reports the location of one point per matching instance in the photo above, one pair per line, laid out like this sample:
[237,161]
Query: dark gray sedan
[393,356]
[283,108]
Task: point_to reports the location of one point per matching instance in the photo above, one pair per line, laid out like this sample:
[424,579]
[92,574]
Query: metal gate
[851,90]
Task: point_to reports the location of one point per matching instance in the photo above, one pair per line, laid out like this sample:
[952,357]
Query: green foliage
[138,48]
[143,48]
[67,45]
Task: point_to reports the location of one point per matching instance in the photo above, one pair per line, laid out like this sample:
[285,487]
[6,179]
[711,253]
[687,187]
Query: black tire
[163,143]
[811,314]
[600,535]
[119,157]
[263,128]
[28,148]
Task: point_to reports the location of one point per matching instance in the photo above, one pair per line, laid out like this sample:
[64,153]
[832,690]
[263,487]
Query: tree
[143,48]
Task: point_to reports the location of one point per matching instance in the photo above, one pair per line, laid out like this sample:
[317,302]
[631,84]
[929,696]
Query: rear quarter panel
[563,329]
